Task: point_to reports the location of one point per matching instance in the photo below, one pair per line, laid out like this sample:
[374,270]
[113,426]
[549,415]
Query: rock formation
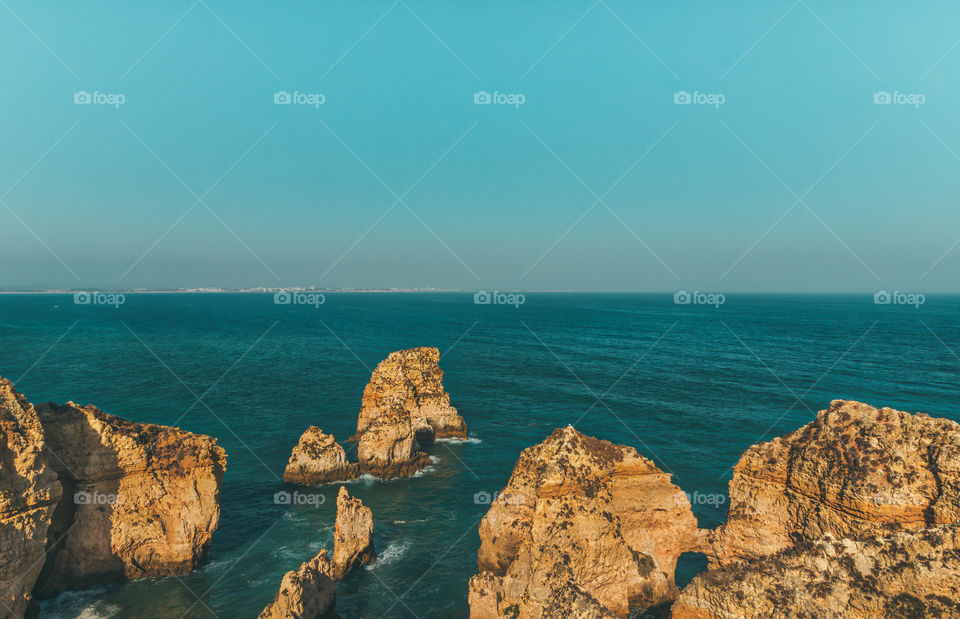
[139,499]
[584,528]
[353,538]
[29,493]
[403,405]
[853,471]
[413,381]
[318,459]
[310,592]
[307,593]
[387,447]
[904,574]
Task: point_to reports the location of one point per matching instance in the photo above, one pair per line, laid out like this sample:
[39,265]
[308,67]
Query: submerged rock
[583,528]
[307,593]
[854,471]
[139,499]
[318,459]
[904,574]
[29,493]
[353,538]
[412,380]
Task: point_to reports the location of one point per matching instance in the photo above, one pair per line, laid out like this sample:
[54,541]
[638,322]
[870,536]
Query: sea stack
[309,592]
[584,528]
[29,494]
[318,459]
[413,381]
[353,537]
[139,500]
[854,471]
[404,405]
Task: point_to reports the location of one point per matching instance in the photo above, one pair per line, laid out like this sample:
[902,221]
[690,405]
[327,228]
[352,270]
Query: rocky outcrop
[310,591]
[904,574]
[318,459]
[139,499]
[854,471]
[307,593]
[583,528]
[387,447]
[353,537]
[413,381]
[403,405]
[29,493]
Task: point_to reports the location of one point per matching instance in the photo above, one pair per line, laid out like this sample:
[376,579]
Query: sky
[789,169]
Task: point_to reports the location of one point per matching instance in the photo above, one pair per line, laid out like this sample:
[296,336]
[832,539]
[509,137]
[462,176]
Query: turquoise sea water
[689,386]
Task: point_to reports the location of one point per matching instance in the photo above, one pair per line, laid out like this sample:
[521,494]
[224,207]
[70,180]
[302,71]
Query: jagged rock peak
[412,380]
[353,537]
[306,593]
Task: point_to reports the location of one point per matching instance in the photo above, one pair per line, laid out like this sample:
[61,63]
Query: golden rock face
[140,500]
[309,591]
[853,471]
[413,381]
[403,404]
[583,528]
[906,574]
[29,493]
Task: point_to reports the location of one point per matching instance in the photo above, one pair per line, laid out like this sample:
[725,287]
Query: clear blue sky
[497,209]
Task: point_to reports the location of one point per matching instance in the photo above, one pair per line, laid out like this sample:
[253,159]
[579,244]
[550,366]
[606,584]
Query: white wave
[99,610]
[79,605]
[425,471]
[390,555]
[434,459]
[471,440]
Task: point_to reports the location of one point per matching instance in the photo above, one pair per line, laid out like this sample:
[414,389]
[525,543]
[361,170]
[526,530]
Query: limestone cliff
[306,593]
[583,528]
[855,470]
[412,380]
[353,537]
[139,499]
[904,574]
[29,493]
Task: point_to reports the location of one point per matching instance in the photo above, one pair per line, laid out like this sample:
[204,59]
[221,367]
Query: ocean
[689,385]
